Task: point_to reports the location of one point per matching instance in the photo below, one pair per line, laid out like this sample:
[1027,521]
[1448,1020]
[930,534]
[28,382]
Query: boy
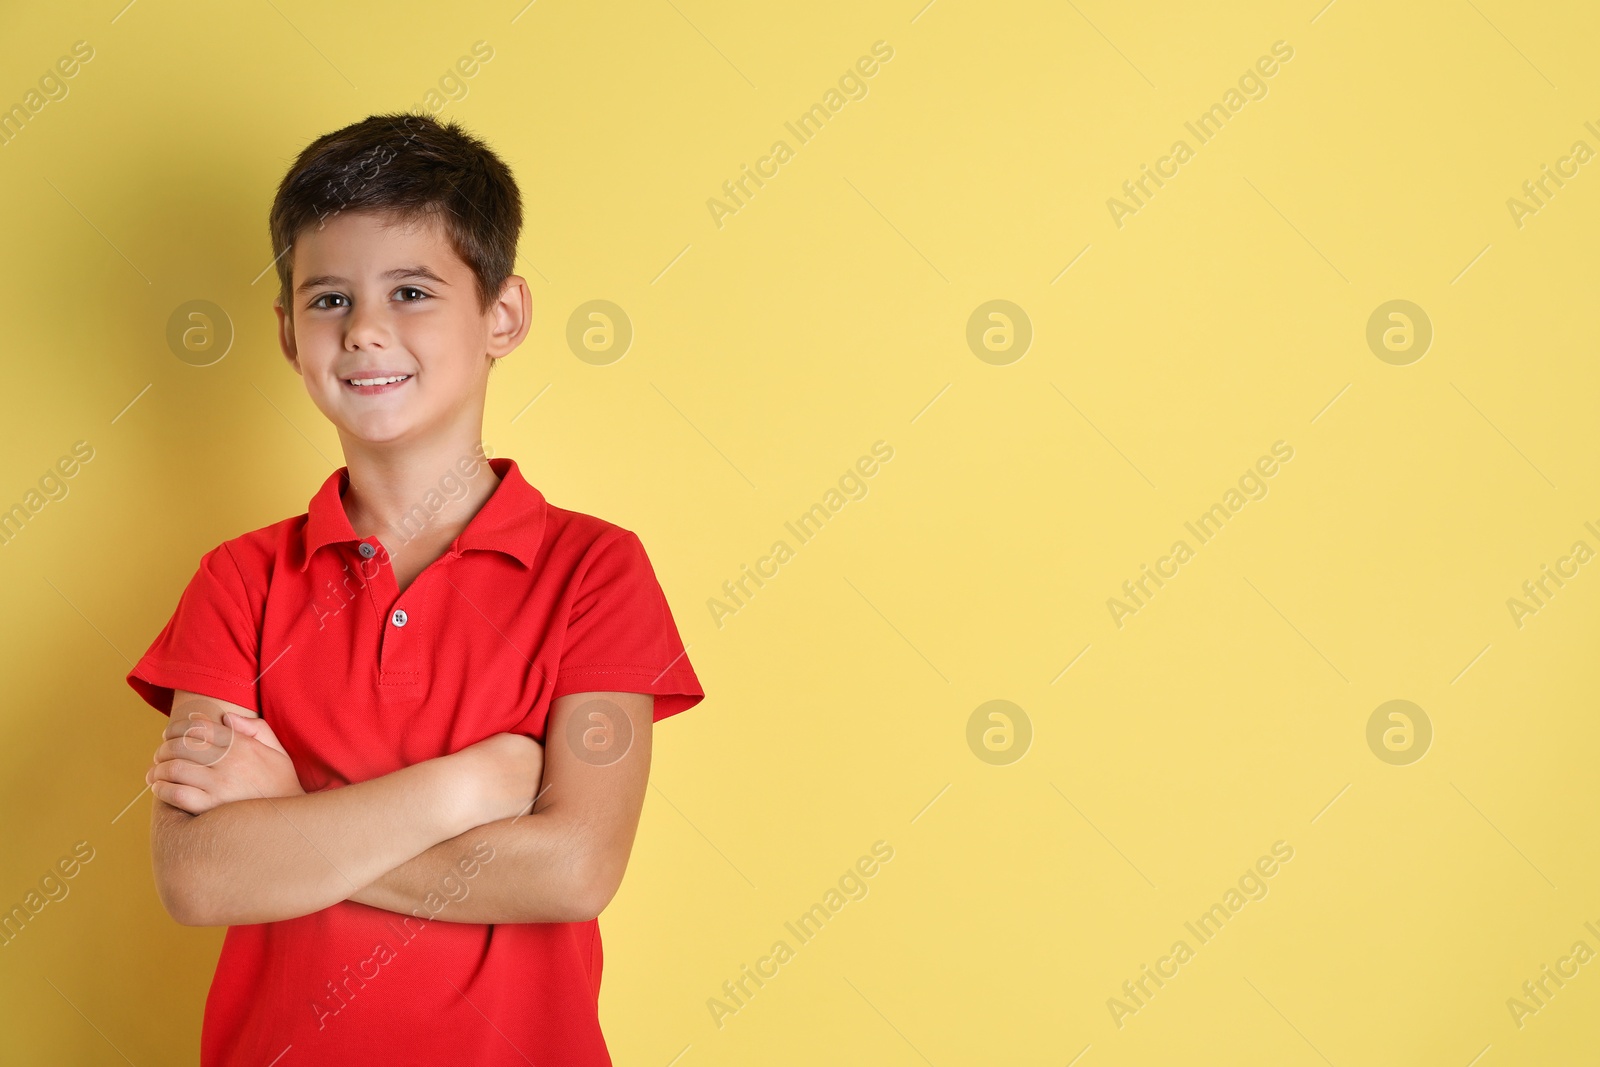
[410,729]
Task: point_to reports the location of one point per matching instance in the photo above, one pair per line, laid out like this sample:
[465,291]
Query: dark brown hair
[410,166]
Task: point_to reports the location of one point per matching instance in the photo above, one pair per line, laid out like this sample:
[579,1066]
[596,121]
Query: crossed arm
[502,831]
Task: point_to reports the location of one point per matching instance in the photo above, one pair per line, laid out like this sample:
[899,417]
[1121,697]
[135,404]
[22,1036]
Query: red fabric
[529,603]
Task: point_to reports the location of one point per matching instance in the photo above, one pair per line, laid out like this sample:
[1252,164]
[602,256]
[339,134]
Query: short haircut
[409,166]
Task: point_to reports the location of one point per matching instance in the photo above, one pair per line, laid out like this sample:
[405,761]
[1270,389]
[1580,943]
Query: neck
[391,493]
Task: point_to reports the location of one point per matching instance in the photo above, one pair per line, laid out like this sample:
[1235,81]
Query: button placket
[404,655]
[383,591]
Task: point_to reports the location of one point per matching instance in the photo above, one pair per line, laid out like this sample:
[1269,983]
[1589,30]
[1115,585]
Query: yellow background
[831,312]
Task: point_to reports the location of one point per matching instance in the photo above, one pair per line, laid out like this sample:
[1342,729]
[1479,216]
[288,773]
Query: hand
[499,776]
[203,763]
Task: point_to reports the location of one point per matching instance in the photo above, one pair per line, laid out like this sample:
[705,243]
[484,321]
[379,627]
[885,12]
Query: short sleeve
[620,635]
[211,645]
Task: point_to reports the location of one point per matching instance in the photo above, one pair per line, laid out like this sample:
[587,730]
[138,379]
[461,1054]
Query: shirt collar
[510,521]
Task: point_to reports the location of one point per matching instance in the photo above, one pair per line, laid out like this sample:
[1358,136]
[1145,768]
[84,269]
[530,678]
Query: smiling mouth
[371,386]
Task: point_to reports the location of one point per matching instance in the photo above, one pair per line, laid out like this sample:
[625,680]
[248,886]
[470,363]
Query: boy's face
[377,298]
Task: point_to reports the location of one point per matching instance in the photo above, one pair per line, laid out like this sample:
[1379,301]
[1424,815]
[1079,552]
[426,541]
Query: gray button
[366,550]
[399,617]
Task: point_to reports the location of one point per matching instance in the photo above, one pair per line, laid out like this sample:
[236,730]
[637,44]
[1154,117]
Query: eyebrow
[396,274]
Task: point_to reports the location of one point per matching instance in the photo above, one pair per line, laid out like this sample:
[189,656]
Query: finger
[180,723]
[178,727]
[181,772]
[209,731]
[183,797]
[253,726]
[198,731]
[180,748]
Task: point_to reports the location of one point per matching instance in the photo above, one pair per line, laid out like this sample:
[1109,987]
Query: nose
[366,328]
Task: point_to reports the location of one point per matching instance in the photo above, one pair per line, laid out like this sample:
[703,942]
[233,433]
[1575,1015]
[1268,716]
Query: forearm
[528,869]
[262,860]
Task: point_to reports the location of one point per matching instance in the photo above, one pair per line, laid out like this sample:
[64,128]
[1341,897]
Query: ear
[510,317]
[286,335]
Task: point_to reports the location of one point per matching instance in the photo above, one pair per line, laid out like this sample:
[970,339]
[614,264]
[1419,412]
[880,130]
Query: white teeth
[377,381]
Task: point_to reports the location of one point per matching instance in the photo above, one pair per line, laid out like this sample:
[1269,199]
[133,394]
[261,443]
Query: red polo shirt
[303,622]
